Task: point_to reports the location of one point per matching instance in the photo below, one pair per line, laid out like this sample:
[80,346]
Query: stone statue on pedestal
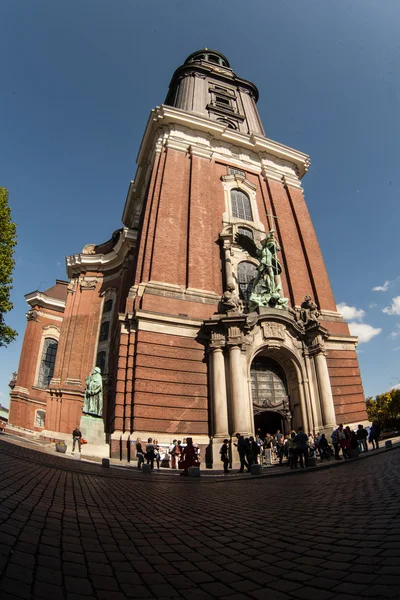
[93,404]
[230,301]
[308,312]
[266,285]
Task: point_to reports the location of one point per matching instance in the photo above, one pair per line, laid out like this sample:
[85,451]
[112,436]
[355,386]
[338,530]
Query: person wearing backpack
[224,452]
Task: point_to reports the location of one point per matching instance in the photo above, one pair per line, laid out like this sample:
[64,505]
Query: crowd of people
[181,455]
[296,447]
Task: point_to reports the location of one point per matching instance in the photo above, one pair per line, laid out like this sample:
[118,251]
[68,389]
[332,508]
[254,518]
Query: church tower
[207,172]
[210,311]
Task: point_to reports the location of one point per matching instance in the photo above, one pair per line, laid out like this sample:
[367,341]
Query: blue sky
[79,78]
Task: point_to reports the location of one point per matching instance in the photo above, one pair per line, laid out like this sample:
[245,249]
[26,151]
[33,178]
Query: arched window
[101,361]
[246,273]
[40,418]
[107,306]
[241,207]
[47,362]
[268,382]
[245,231]
[104,329]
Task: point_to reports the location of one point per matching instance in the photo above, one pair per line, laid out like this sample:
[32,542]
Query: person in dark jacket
[76,437]
[224,452]
[242,449]
[374,434]
[301,441]
[253,451]
[362,435]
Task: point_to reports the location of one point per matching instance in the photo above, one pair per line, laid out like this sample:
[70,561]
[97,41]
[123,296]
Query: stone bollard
[146,468]
[76,456]
[194,471]
[354,453]
[255,469]
[312,461]
[388,444]
[105,462]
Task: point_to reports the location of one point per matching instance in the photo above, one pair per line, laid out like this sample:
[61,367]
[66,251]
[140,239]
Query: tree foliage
[384,410]
[8,241]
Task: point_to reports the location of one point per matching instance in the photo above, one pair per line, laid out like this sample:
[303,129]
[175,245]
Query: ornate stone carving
[217,340]
[230,301]
[32,315]
[89,249]
[308,313]
[71,287]
[273,330]
[266,284]
[13,381]
[88,283]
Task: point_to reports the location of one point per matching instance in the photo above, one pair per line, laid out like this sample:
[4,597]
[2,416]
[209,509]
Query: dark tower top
[206,85]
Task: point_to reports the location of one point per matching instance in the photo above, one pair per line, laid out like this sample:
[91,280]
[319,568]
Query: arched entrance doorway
[270,396]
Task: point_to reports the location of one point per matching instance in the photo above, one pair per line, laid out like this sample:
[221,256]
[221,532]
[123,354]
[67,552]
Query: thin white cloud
[372,305]
[396,332]
[394,308]
[364,332]
[397,348]
[1,394]
[395,387]
[382,288]
[350,312]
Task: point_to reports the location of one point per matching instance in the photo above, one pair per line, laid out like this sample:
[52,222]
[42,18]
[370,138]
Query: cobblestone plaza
[74,530]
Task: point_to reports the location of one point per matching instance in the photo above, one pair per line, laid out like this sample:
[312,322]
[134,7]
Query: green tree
[384,409]
[8,241]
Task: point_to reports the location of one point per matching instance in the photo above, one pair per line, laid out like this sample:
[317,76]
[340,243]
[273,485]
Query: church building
[210,311]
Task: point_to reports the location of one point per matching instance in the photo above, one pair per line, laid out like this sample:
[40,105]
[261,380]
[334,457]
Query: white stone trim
[78,263]
[172,329]
[196,135]
[51,317]
[35,298]
[234,182]
[170,319]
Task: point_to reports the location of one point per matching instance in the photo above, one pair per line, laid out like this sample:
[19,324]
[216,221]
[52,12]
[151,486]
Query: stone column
[219,400]
[228,266]
[220,405]
[240,408]
[325,391]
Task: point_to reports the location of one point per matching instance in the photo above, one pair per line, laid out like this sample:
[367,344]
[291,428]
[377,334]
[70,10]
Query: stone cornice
[102,262]
[196,135]
[40,299]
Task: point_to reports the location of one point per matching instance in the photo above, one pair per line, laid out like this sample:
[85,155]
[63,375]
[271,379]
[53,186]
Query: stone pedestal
[92,429]
[312,461]
[146,468]
[388,444]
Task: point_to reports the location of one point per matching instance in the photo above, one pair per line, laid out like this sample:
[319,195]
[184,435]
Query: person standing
[157,454]
[171,451]
[224,452]
[301,440]
[253,451]
[76,437]
[374,434]
[335,442]
[139,453]
[241,446]
[362,435]
[292,448]
[150,453]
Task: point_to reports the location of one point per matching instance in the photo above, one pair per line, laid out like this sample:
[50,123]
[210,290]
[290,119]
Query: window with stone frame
[47,362]
[241,205]
[101,361]
[246,272]
[104,331]
[40,418]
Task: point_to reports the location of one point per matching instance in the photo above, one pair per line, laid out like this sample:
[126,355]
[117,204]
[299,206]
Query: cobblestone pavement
[71,530]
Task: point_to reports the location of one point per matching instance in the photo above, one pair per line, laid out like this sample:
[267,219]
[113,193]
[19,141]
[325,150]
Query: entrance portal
[270,396]
[268,422]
